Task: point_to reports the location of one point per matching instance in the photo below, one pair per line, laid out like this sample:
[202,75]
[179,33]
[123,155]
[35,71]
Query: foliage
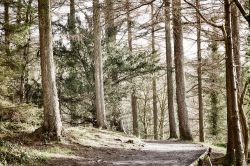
[14,154]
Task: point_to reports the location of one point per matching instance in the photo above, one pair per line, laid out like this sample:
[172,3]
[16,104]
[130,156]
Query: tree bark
[110,28]
[110,38]
[100,106]
[72,26]
[155,110]
[232,101]
[236,55]
[133,95]
[184,128]
[52,120]
[134,114]
[199,71]
[169,60]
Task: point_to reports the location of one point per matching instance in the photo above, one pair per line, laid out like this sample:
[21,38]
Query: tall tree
[169,60]
[199,71]
[155,110]
[133,95]
[52,120]
[110,41]
[236,55]
[232,100]
[26,49]
[184,127]
[100,104]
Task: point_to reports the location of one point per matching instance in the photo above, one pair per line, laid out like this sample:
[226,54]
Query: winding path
[153,153]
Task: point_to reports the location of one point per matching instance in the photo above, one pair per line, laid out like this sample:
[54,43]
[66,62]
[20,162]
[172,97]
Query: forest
[124,82]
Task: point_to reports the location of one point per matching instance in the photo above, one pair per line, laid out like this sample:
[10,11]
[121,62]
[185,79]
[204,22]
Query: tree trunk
[214,98]
[236,52]
[199,71]
[18,12]
[232,101]
[25,54]
[100,107]
[134,114]
[52,120]
[155,110]
[184,129]
[169,60]
[110,28]
[110,38]
[72,26]
[133,95]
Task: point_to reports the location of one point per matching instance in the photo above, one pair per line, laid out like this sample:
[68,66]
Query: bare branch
[242,11]
[200,14]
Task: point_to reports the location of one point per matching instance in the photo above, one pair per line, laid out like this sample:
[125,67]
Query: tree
[169,60]
[232,100]
[236,55]
[155,110]
[100,104]
[133,95]
[110,41]
[199,71]
[52,120]
[184,129]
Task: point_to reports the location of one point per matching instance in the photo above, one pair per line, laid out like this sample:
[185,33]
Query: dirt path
[152,153]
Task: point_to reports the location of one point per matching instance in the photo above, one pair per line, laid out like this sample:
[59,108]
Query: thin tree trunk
[110,38]
[169,60]
[110,28]
[134,114]
[161,125]
[72,25]
[133,95]
[155,110]
[199,71]
[52,120]
[184,128]
[214,98]
[100,107]
[236,52]
[18,12]
[232,89]
[25,54]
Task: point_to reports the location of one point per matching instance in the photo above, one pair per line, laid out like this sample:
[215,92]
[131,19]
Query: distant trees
[52,119]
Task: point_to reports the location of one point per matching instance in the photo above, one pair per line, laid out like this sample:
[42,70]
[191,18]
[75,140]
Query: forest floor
[84,145]
[153,153]
[89,146]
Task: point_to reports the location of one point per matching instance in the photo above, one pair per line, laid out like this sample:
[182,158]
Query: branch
[243,94]
[206,20]
[242,11]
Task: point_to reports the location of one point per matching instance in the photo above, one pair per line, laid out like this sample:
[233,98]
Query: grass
[16,154]
[88,136]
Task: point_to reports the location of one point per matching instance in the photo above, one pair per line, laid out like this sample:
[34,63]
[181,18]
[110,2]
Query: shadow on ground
[153,153]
